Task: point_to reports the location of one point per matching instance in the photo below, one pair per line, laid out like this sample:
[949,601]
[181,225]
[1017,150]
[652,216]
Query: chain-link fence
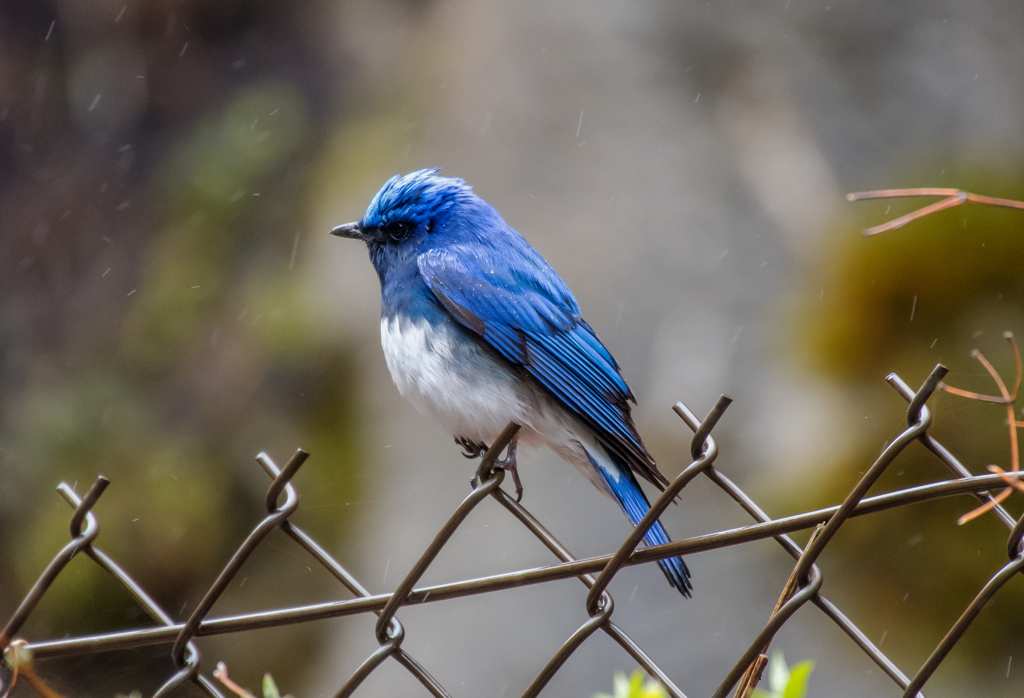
[595,573]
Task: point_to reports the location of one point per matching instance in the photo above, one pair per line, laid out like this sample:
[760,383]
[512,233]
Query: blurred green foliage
[785,681]
[634,686]
[270,688]
[215,358]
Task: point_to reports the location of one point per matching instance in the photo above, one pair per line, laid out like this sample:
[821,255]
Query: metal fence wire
[595,573]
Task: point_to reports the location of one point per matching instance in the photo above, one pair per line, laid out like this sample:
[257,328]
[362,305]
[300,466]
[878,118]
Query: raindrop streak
[913,307]
[1008,666]
[295,248]
[50,30]
[386,567]
[580,124]
[95,101]
[120,14]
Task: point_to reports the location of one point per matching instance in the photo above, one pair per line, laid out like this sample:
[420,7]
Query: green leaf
[634,687]
[636,681]
[269,687]
[798,675]
[654,689]
[778,674]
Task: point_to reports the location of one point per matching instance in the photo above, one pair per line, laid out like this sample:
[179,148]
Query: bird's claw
[508,463]
[471,449]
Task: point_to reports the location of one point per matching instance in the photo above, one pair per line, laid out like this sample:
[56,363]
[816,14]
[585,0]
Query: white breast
[472,395]
[459,385]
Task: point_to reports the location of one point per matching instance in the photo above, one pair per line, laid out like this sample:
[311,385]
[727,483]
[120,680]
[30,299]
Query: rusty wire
[595,573]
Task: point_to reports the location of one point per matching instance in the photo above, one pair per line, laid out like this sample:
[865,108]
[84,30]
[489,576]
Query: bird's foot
[508,463]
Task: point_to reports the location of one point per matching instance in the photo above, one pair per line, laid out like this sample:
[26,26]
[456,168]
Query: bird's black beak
[350,230]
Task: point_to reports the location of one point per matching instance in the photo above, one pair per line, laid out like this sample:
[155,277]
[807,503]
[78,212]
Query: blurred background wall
[172,304]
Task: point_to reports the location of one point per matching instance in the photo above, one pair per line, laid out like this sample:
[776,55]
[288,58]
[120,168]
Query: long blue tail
[627,492]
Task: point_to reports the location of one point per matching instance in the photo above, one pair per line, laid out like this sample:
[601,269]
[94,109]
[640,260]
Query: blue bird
[479,331]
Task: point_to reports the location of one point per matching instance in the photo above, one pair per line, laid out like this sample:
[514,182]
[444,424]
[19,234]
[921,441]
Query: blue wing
[520,306]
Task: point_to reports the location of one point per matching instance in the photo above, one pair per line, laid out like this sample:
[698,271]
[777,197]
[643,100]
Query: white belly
[473,396]
[460,386]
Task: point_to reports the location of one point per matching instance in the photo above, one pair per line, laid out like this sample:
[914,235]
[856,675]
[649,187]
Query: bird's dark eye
[396,231]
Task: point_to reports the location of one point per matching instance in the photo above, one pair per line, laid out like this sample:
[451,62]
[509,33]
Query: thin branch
[970,395]
[20,661]
[990,504]
[953,197]
[1010,478]
[752,676]
[1007,398]
[221,674]
[995,376]
[1008,336]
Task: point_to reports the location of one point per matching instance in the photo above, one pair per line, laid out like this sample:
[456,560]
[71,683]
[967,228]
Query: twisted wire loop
[275,516]
[806,573]
[151,607]
[82,542]
[1015,550]
[595,573]
[352,584]
[79,540]
[948,459]
[791,547]
[489,480]
[128,639]
[563,554]
[599,603]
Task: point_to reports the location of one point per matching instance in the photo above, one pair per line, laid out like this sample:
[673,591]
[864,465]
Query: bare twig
[1007,398]
[221,674]
[21,663]
[953,197]
[752,676]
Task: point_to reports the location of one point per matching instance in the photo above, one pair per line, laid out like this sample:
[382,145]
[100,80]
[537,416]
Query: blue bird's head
[406,210]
